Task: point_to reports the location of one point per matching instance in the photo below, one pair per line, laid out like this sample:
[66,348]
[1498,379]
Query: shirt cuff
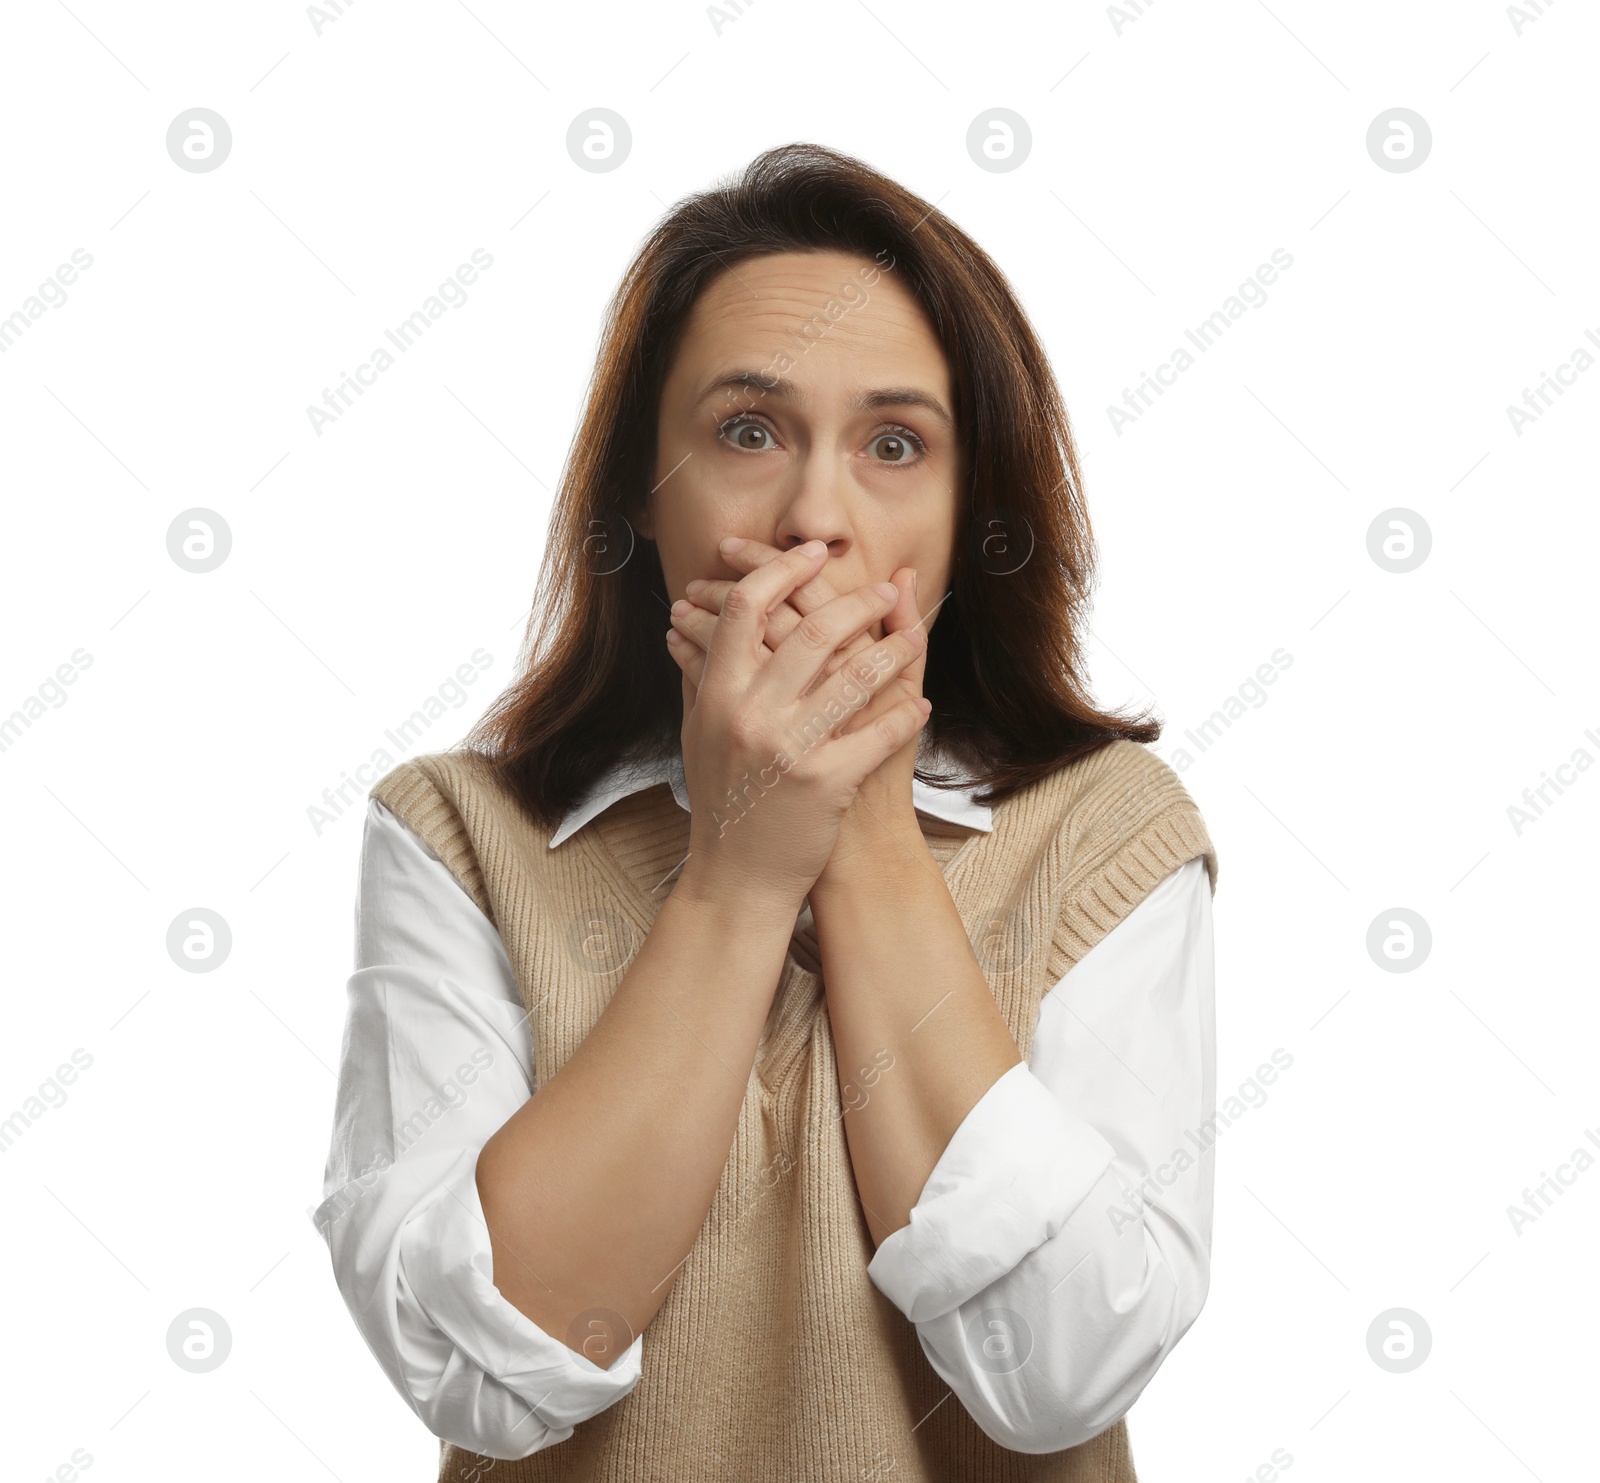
[1015,1170]
[447,1261]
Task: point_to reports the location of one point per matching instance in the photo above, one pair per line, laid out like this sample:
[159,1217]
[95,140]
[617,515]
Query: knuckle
[738,603]
[861,669]
[747,726]
[877,663]
[806,771]
[814,634]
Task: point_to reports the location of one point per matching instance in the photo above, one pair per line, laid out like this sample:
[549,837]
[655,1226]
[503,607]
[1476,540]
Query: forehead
[813,317]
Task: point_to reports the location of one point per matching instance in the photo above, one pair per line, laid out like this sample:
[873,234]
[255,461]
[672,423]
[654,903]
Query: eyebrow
[863,401]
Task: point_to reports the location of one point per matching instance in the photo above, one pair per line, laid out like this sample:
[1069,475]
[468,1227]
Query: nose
[819,508]
[815,513]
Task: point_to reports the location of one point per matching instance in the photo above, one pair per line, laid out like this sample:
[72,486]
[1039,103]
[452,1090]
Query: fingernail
[731,544]
[673,636]
[886,590]
[813,548]
[694,586]
[681,607]
[913,581]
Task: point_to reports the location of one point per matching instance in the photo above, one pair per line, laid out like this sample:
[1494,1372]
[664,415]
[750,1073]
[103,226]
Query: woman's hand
[746,556]
[771,758]
[884,800]
[810,595]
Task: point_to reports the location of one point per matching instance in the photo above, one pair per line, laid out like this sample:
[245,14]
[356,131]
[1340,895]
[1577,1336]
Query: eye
[898,440]
[744,439]
[901,448]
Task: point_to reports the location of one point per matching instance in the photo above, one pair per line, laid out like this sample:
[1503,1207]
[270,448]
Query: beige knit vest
[774,1358]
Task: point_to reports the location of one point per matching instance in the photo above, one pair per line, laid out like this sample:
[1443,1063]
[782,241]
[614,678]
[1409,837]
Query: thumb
[906,614]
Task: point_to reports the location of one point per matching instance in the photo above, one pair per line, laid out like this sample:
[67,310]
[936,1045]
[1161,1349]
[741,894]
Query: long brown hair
[1005,666]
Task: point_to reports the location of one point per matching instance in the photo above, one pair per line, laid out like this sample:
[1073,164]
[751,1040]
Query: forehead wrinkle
[749,368]
[744,328]
[779,310]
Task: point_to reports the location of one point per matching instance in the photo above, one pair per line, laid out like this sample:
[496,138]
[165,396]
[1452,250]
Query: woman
[753,1068]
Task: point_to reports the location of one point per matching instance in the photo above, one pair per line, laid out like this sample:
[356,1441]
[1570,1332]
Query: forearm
[902,983]
[595,1189]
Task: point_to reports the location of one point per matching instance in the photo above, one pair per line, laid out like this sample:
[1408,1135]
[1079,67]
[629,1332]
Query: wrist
[875,854]
[732,906]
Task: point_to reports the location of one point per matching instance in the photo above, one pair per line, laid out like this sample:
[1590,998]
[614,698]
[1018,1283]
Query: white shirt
[1019,1213]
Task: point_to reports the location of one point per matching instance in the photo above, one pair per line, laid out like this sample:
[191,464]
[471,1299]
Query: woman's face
[840,430]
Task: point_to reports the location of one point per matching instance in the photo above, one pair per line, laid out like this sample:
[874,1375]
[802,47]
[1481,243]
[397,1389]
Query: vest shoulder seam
[422,793]
[1125,822]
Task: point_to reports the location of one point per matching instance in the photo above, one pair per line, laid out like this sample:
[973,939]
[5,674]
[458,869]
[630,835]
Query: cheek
[687,542]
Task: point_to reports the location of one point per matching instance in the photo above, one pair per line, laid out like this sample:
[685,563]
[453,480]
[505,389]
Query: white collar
[952,804]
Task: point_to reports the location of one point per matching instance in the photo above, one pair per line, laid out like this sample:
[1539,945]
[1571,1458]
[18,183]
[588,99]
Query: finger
[893,656]
[843,655]
[907,685]
[807,598]
[897,691]
[800,660]
[747,557]
[690,657]
[903,617]
[742,623]
[697,628]
[866,750]
[708,592]
[692,622]
[690,691]
[698,621]
[709,595]
[835,703]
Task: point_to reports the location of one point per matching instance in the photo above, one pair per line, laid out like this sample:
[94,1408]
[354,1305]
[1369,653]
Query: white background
[1171,153]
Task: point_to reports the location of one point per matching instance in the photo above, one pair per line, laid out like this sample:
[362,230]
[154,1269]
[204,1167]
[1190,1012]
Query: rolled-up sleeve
[437,1055]
[1061,1246]
[1016,1168]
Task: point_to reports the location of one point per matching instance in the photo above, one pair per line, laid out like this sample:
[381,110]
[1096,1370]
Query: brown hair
[1004,668]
